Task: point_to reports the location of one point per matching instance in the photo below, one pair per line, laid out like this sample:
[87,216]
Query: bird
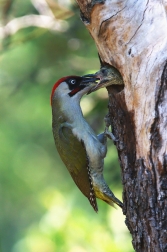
[108,75]
[81,150]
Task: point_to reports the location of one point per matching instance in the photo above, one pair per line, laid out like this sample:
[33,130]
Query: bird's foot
[109,134]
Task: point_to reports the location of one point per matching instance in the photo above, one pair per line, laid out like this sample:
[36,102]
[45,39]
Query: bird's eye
[73,81]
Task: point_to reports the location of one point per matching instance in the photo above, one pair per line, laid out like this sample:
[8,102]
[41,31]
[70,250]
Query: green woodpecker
[108,75]
[81,150]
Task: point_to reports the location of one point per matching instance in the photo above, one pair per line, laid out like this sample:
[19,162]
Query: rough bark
[132,36]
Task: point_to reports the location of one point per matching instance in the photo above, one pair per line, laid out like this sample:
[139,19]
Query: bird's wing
[74,156]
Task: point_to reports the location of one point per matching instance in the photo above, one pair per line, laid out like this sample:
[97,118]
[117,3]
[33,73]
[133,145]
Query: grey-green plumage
[80,149]
[70,149]
[108,76]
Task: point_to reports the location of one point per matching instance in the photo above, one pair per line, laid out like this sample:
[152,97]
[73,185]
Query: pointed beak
[89,78]
[93,79]
[100,84]
[96,80]
[105,77]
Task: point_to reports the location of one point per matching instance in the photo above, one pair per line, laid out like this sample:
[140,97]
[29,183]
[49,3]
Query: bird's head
[107,75]
[72,86]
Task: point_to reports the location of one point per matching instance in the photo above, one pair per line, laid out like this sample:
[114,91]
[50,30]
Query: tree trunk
[132,36]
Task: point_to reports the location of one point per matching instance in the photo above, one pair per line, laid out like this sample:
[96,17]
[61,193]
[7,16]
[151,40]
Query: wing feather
[73,154]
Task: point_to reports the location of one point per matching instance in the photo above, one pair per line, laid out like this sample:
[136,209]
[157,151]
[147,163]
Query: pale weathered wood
[132,36]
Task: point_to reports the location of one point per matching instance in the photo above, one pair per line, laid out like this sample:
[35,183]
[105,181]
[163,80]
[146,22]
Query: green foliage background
[41,208]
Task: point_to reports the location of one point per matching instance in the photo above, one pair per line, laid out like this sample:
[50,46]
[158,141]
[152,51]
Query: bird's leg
[102,138]
[107,132]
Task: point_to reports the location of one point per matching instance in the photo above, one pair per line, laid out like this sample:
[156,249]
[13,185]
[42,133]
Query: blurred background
[41,209]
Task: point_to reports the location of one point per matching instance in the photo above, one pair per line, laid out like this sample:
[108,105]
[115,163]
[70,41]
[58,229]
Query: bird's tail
[103,192]
[111,199]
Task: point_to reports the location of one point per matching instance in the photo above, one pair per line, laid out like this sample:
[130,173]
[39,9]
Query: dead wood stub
[128,36]
[145,188]
[138,180]
[158,159]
